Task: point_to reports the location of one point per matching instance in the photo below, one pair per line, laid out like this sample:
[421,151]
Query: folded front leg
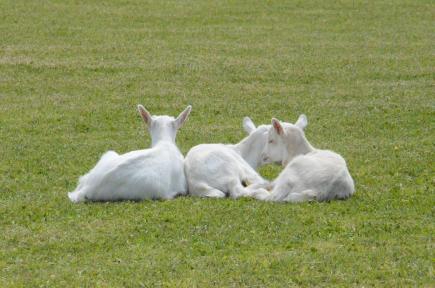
[257,193]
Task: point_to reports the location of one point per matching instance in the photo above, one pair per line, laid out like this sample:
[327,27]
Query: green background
[72,73]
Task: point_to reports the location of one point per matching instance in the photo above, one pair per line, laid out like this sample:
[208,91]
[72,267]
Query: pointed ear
[302,121]
[146,116]
[182,117]
[277,126]
[248,125]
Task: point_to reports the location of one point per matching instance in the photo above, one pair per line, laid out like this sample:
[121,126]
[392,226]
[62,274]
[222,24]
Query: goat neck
[302,147]
[248,150]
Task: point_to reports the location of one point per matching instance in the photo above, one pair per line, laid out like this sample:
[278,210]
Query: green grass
[72,72]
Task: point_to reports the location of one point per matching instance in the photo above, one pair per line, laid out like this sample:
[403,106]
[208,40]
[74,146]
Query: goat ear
[277,126]
[248,125]
[182,117]
[146,116]
[302,121]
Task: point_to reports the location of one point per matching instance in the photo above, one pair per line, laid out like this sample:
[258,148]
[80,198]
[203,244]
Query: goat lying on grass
[309,173]
[155,173]
[217,170]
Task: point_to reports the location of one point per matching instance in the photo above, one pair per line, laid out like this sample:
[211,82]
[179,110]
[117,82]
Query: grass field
[72,73]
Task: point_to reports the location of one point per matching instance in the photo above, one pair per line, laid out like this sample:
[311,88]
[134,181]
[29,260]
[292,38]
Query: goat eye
[270,141]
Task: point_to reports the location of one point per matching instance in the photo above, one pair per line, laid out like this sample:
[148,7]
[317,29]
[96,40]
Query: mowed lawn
[72,73]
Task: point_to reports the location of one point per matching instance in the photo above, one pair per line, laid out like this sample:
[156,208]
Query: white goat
[217,170]
[155,173]
[309,173]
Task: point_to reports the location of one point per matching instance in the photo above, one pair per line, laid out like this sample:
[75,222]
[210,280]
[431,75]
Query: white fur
[155,173]
[217,170]
[309,174]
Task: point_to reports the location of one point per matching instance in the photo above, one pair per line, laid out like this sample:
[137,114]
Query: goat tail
[77,196]
[86,182]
